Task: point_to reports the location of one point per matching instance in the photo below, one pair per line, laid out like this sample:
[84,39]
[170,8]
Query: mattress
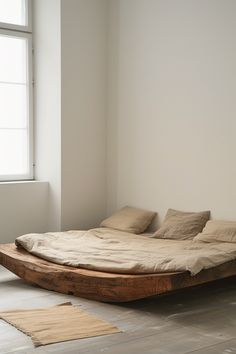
[109,250]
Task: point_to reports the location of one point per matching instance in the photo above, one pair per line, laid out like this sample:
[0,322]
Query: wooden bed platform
[107,287]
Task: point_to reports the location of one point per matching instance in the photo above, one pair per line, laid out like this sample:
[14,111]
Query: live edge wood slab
[101,286]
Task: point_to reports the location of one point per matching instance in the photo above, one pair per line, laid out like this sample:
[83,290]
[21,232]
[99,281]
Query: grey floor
[199,321]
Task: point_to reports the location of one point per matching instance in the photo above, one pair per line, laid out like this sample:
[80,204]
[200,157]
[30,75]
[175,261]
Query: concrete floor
[199,321]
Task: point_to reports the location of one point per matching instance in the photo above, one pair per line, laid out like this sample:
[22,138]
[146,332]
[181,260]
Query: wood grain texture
[101,286]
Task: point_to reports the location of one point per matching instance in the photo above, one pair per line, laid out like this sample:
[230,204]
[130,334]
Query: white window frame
[24,28]
[24,32]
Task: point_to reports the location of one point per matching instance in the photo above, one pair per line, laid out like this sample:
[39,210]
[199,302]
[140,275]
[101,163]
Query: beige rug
[57,324]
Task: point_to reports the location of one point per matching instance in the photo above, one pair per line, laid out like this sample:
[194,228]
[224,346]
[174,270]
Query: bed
[107,286]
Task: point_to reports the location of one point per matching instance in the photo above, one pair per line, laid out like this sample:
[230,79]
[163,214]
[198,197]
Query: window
[16,161]
[16,14]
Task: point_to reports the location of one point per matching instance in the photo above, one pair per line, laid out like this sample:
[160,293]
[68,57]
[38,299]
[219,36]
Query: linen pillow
[182,225]
[218,231]
[129,219]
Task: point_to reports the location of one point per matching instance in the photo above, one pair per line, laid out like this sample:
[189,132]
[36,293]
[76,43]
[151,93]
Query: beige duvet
[119,252]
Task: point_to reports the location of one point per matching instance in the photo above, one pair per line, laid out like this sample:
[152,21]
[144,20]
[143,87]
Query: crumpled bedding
[109,250]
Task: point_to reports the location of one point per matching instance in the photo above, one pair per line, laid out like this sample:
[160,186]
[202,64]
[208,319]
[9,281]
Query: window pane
[13,62]
[13,152]
[13,106]
[13,11]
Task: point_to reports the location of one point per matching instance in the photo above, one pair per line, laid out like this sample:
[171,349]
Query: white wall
[23,209]
[84,59]
[47,103]
[70,39]
[171,117]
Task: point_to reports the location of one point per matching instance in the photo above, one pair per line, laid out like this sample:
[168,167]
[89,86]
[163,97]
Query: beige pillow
[182,225]
[218,231]
[129,219]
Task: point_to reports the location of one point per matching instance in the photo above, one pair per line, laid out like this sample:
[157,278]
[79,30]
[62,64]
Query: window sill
[3,183]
